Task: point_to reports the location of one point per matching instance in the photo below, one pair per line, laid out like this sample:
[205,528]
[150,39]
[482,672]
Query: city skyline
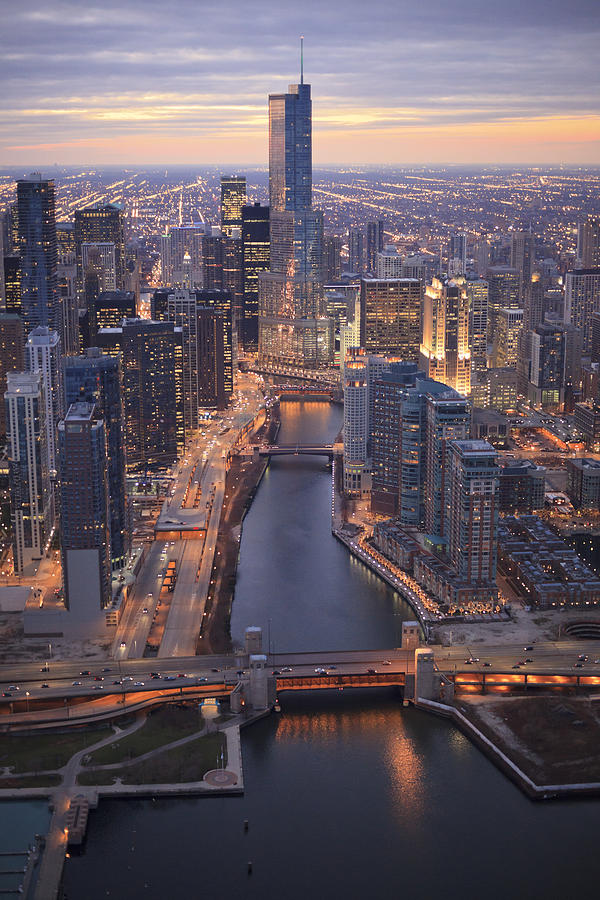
[437,84]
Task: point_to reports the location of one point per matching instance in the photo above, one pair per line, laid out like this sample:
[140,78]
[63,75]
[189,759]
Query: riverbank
[241,484]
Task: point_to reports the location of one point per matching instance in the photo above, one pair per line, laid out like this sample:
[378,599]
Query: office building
[587,423]
[457,254]
[390,316]
[356,251]
[473,511]
[38,252]
[98,268]
[182,311]
[233,279]
[43,356]
[445,354]
[375,237]
[293,329]
[547,366]
[29,480]
[583,483]
[181,256]
[84,512]
[97,378]
[448,418]
[588,242]
[66,273]
[101,225]
[255,259]
[582,300]
[107,310]
[149,390]
[478,295]
[522,257]
[233,199]
[509,324]
[213,260]
[332,258]
[12,357]
[521,487]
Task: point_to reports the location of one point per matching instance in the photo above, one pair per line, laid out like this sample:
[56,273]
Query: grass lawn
[41,752]
[30,781]
[183,764]
[163,725]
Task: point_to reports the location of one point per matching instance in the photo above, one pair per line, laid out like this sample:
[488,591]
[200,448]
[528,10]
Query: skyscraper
[356,251]
[12,357]
[99,270]
[107,310]
[182,240]
[221,301]
[445,353]
[256,259]
[43,356]
[375,242]
[182,310]
[509,324]
[473,511]
[84,516]
[332,258]
[390,316]
[97,378]
[588,243]
[101,225]
[233,198]
[211,331]
[457,254]
[504,293]
[448,418]
[30,494]
[478,294]
[582,299]
[356,435]
[38,251]
[292,327]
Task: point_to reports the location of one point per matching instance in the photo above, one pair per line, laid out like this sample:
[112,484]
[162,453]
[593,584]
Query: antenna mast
[301,59]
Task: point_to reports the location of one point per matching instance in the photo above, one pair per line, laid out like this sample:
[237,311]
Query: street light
[27,699]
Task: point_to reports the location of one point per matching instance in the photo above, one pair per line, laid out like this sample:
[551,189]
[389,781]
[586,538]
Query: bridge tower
[259,682]
[411,635]
[253,638]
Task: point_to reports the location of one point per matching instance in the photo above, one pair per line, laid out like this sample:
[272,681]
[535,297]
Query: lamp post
[27,699]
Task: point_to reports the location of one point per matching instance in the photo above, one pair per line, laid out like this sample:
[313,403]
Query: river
[348,795]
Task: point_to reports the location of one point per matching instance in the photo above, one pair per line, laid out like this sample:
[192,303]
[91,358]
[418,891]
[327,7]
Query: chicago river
[347,794]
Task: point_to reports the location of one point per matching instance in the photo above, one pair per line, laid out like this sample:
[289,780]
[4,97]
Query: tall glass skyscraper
[293,328]
[38,251]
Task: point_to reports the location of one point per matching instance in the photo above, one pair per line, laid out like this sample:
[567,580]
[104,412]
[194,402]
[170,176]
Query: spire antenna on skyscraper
[301,59]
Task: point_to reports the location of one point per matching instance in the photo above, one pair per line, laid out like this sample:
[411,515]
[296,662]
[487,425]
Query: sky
[396,82]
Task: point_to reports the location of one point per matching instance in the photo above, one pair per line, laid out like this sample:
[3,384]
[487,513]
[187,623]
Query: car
[320,670]
[117,682]
[528,659]
[155,677]
[122,645]
[138,684]
[596,661]
[145,611]
[385,662]
[85,672]
[331,667]
[98,678]
[578,666]
[98,687]
[106,669]
[487,664]
[201,680]
[44,669]
[474,659]
[76,683]
[215,670]
[276,672]
[181,675]
[371,671]
[44,685]
[583,657]
[6,694]
[468,662]
[127,678]
[527,648]
[284,669]
[169,678]
[14,687]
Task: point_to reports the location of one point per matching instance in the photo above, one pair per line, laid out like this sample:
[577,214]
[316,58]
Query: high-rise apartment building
[588,242]
[445,347]
[356,433]
[547,366]
[211,324]
[233,198]
[389,263]
[221,302]
[332,258]
[107,310]
[256,259]
[43,356]
[390,316]
[293,329]
[582,299]
[149,388]
[99,269]
[101,225]
[473,511]
[457,254]
[522,257]
[448,418]
[12,357]
[504,293]
[375,240]
[12,285]
[509,324]
[29,480]
[38,252]
[66,272]
[182,310]
[213,260]
[478,295]
[84,511]
[97,378]
[356,251]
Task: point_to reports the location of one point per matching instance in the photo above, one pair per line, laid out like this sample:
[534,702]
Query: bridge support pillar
[411,635]
[258,687]
[426,686]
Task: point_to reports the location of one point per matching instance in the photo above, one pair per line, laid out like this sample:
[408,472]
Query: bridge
[306,391]
[297,450]
[330,377]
